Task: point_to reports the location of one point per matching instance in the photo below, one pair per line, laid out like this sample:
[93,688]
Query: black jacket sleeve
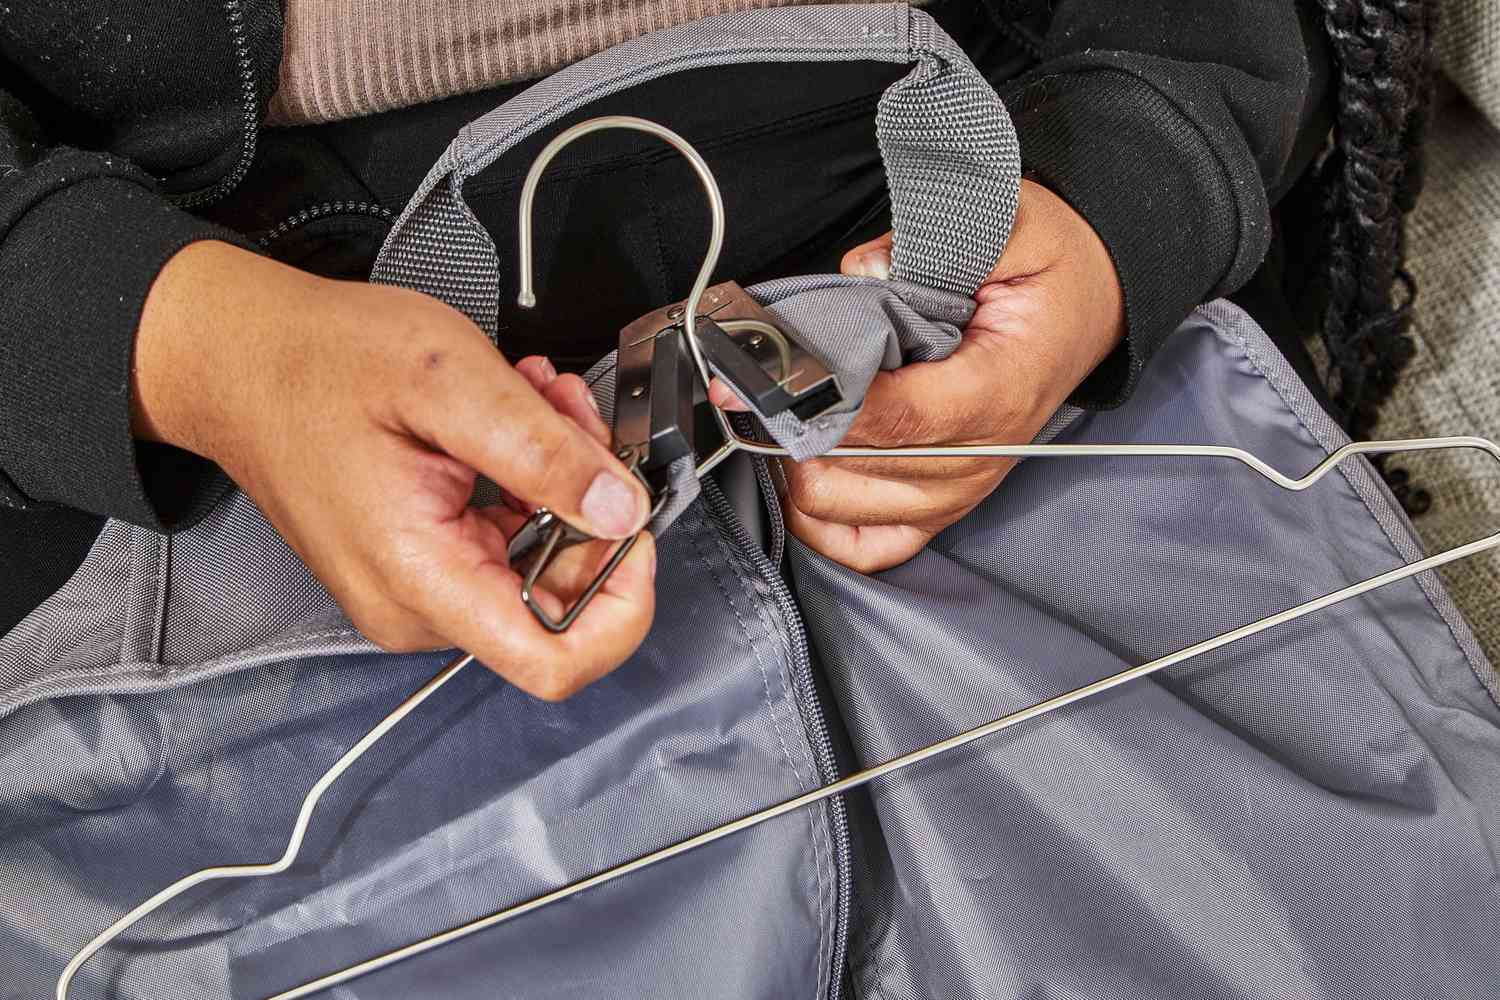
[1165,124]
[82,237]
[97,148]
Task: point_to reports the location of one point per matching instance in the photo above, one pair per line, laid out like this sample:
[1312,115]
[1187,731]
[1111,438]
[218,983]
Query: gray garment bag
[1309,813]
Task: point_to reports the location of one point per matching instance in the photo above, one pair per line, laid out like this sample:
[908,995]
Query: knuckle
[811,490]
[541,456]
[896,423]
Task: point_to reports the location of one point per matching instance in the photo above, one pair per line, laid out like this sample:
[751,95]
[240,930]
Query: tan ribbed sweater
[346,58]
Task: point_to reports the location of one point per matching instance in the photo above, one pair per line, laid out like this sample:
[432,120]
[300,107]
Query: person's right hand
[357,417]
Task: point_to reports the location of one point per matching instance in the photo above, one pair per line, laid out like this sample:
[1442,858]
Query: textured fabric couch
[1453,385]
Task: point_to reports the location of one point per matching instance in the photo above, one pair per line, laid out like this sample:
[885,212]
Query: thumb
[490,418]
[869,260]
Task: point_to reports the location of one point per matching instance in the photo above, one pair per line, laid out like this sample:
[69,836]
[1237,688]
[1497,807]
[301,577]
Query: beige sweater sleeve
[347,58]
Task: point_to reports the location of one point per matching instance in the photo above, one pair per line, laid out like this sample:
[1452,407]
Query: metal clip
[546,531]
[656,379]
[545,536]
[760,358]
[655,385]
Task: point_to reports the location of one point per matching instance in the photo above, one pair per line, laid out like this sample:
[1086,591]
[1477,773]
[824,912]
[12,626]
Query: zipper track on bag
[815,720]
[234,14]
[326,210]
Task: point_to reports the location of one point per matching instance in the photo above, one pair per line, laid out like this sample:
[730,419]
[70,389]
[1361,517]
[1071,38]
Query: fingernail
[548,372]
[594,403]
[871,265]
[612,507]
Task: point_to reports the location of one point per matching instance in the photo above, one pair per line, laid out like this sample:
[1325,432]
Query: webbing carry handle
[950,151]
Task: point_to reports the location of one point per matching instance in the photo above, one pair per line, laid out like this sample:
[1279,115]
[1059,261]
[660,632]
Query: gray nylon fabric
[1307,814]
[483,797]
[952,160]
[858,327]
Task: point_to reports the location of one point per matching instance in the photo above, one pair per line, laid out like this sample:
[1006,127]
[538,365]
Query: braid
[1369,182]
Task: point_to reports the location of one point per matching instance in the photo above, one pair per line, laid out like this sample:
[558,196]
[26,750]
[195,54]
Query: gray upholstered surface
[1468,46]
[1453,385]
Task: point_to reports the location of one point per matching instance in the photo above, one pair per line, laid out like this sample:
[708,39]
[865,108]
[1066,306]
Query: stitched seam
[159,609]
[163,668]
[755,650]
[143,580]
[127,670]
[818,820]
[133,572]
[469,161]
[1022,37]
[269,647]
[1250,355]
[870,949]
[659,242]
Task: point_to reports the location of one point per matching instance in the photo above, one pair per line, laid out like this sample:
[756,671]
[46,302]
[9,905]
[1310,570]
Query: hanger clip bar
[761,359]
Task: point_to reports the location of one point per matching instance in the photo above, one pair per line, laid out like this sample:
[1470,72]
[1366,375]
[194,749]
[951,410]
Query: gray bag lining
[698,712]
[1360,475]
[931,648]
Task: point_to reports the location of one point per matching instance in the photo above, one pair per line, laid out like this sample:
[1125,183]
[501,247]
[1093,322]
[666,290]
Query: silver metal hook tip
[526,300]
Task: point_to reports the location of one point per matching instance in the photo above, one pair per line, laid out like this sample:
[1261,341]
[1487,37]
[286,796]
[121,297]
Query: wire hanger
[554,534]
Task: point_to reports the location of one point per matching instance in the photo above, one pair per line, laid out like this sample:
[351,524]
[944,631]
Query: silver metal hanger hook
[527,296]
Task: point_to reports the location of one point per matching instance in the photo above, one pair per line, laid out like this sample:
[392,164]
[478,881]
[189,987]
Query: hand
[357,417]
[1051,311]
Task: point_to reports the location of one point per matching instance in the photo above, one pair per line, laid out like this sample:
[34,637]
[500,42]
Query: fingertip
[538,371]
[615,506]
[723,397]
[869,260]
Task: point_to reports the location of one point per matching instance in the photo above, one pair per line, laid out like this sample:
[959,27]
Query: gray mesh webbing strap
[949,148]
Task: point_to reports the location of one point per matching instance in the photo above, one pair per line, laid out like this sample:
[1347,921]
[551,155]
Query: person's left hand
[1051,311]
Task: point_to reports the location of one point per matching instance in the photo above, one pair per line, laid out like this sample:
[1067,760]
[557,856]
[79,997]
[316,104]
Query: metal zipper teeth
[817,725]
[325,210]
[249,120]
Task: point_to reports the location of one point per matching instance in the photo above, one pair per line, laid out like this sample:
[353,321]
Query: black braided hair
[1368,183]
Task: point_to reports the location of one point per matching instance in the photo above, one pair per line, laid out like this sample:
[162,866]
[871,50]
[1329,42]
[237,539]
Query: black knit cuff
[75,268]
[1181,226]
